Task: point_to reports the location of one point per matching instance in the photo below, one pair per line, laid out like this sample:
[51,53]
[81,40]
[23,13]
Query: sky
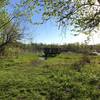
[49,33]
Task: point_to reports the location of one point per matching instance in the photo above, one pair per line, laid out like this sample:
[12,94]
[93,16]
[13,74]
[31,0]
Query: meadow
[68,76]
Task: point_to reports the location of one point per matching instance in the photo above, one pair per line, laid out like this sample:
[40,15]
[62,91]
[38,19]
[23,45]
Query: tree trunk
[2,48]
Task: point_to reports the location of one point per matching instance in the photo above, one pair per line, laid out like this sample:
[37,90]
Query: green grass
[26,77]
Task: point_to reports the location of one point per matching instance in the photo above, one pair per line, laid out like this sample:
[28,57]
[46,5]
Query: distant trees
[75,47]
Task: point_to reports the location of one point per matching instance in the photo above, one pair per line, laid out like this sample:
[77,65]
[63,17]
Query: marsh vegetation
[67,76]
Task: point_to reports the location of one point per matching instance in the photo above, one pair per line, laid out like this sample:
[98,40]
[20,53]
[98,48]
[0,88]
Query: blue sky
[49,33]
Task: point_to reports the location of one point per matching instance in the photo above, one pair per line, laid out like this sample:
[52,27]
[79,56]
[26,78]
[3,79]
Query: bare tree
[9,35]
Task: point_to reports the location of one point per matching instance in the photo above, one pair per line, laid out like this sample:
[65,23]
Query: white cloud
[94,39]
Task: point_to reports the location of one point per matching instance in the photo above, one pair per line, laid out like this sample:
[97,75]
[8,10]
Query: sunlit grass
[26,77]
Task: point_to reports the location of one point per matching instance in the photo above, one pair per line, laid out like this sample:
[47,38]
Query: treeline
[20,48]
[75,47]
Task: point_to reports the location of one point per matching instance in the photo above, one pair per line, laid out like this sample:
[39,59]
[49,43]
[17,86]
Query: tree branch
[7,22]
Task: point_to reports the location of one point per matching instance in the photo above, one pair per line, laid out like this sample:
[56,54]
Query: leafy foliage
[83,14]
[3,3]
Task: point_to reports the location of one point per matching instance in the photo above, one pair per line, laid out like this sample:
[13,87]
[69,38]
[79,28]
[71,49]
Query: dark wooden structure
[50,52]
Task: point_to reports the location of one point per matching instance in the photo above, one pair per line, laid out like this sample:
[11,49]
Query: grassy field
[64,77]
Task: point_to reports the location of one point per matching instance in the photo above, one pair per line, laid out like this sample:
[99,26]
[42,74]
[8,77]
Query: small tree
[8,34]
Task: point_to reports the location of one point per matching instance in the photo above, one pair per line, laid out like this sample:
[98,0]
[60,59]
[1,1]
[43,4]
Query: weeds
[49,80]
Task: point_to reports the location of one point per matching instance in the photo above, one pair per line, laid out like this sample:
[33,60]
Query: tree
[84,15]
[9,33]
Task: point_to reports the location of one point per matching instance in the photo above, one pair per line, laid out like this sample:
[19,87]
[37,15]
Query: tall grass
[28,78]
